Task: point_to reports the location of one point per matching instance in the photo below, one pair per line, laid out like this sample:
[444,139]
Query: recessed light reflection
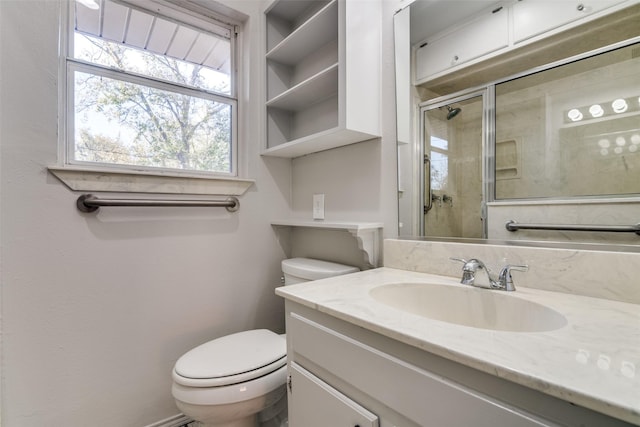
[617,150]
[633,148]
[628,369]
[604,152]
[604,143]
[574,115]
[620,141]
[635,139]
[596,110]
[619,105]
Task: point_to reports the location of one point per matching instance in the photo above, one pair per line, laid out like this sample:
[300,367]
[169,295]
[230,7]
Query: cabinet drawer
[480,37]
[313,403]
[421,396]
[534,17]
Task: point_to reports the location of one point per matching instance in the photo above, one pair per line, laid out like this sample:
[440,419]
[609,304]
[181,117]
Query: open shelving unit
[316,100]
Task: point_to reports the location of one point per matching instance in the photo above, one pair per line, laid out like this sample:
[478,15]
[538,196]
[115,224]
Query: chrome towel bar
[511,225]
[91,203]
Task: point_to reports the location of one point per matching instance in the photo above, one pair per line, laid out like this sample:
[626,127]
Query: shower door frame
[487,93]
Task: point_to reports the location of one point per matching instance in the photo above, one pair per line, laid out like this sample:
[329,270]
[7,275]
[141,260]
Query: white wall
[360,180]
[97,308]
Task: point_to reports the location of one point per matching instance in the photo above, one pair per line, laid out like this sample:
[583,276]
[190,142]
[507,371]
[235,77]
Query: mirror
[481,146]
[452,179]
[587,113]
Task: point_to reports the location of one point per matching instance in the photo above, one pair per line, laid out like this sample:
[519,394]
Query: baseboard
[174,421]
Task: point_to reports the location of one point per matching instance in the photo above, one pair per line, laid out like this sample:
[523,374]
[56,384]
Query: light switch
[318,206]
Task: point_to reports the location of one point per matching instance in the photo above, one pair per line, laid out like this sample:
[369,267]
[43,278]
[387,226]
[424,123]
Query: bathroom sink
[468,306]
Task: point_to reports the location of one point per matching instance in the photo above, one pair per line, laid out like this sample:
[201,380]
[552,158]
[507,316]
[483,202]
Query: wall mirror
[555,143]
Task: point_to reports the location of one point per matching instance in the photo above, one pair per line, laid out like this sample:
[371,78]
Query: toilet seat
[225,395]
[232,359]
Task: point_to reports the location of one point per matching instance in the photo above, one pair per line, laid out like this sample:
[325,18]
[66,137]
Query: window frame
[70,65]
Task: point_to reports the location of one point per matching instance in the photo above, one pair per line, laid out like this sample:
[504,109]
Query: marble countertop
[593,361]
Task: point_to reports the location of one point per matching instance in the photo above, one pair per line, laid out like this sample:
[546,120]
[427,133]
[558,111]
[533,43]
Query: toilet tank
[298,270]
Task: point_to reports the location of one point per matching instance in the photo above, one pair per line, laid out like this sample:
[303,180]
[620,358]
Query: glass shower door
[452,177]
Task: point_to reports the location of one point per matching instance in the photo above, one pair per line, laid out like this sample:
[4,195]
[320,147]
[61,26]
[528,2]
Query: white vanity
[362,351]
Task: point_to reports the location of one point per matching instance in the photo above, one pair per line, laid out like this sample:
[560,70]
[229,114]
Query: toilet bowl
[239,380]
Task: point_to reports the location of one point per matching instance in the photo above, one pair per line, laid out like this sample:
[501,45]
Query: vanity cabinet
[482,36]
[322,74]
[317,404]
[334,363]
[532,18]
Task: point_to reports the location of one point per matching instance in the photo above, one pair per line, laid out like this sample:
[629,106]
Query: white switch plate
[318,206]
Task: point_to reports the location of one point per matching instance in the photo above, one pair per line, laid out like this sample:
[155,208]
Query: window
[150,91]
[439,163]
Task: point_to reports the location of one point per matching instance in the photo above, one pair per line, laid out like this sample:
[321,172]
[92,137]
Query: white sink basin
[469,306]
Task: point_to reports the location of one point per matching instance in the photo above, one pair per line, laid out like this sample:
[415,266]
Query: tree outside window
[136,108]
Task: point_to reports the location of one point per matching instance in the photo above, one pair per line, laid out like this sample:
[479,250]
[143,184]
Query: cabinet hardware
[289,384]
[580,7]
[497,10]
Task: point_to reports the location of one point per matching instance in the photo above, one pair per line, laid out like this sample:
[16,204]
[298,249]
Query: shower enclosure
[559,144]
[453,196]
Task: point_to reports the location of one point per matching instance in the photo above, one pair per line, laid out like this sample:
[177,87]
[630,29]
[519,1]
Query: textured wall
[97,308]
[360,180]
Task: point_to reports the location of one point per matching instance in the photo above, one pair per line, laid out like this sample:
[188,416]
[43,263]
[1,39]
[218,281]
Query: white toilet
[239,380]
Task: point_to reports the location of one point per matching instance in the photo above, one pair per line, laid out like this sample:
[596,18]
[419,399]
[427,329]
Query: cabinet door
[534,17]
[423,397]
[314,403]
[478,38]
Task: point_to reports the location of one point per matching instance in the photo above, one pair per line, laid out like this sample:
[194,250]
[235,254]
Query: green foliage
[153,127]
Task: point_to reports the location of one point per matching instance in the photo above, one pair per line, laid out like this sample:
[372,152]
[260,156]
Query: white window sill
[95,179]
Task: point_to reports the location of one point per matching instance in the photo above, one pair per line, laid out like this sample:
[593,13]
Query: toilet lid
[232,355]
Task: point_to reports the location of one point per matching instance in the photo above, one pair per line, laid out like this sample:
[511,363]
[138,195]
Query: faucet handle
[505,278]
[467,271]
[472,264]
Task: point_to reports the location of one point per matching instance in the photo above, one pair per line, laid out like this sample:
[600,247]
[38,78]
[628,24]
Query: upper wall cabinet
[532,18]
[322,74]
[501,29]
[485,34]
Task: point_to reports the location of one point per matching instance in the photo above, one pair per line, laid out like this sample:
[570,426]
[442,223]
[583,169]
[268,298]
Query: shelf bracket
[368,236]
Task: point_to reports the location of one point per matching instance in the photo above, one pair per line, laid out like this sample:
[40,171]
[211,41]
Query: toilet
[239,380]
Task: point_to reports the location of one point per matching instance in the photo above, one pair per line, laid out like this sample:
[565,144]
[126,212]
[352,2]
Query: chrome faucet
[503,281]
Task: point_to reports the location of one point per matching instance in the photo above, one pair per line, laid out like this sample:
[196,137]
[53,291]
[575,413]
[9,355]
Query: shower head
[452,112]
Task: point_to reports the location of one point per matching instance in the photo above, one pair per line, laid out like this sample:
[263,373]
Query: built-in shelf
[367,234]
[322,72]
[317,31]
[352,227]
[320,141]
[317,88]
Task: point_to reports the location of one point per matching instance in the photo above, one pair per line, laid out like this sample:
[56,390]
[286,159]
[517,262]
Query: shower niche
[508,159]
